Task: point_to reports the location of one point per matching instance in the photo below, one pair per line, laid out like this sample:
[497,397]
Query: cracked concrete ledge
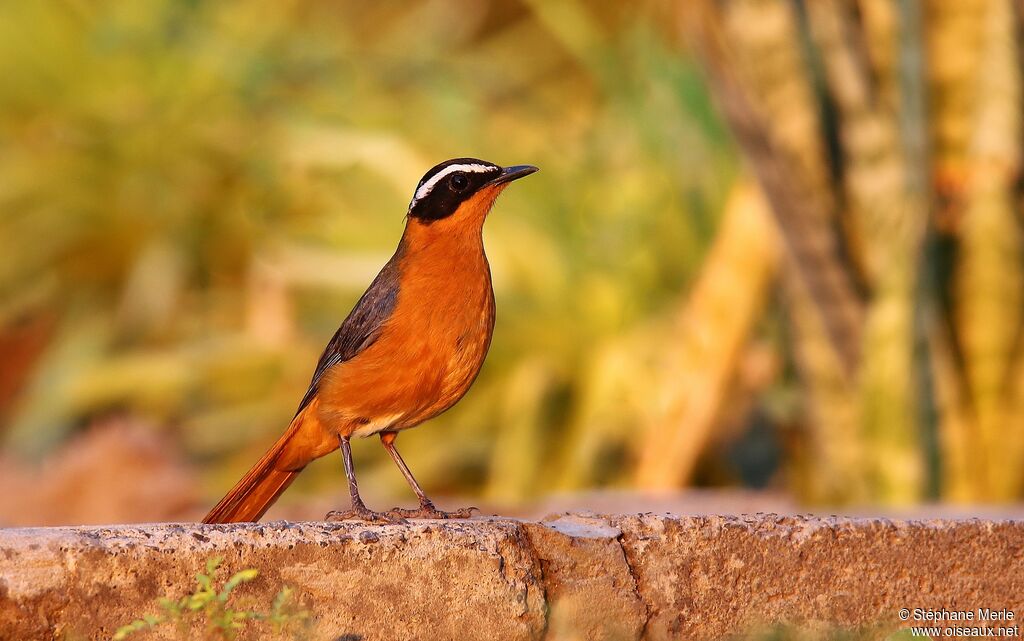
[566,577]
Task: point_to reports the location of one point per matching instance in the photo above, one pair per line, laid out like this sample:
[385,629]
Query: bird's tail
[251,497]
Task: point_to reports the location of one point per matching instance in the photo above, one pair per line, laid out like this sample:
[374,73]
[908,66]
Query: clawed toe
[461,513]
[431,512]
[364,514]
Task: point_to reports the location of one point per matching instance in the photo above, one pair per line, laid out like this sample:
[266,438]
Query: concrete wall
[568,577]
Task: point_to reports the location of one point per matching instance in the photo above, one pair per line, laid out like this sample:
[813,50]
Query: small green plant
[209,608]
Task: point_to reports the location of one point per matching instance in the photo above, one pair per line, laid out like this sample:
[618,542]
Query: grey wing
[360,329]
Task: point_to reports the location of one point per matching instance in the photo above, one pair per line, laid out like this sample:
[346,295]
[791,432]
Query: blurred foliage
[196,193]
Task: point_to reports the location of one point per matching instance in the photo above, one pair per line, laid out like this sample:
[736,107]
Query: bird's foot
[362,513]
[428,511]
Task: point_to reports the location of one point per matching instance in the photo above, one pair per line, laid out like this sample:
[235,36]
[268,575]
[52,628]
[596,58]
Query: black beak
[508,174]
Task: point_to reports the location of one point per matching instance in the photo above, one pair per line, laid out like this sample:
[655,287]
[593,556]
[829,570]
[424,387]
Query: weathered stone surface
[453,580]
[567,577]
[705,576]
[589,584]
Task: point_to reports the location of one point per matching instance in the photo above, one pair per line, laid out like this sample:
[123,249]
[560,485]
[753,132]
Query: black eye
[458,182]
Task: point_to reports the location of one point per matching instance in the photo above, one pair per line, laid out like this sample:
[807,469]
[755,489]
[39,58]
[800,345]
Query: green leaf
[170,606]
[204,580]
[234,581]
[212,564]
[149,621]
[125,630]
[199,600]
[280,600]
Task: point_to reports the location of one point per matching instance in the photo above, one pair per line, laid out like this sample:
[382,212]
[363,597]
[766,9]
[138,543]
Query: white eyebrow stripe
[436,178]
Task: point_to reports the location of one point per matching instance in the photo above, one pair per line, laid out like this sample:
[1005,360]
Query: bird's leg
[359,511]
[426,509]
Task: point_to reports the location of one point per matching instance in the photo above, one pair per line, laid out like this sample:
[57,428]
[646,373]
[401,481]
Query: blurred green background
[194,194]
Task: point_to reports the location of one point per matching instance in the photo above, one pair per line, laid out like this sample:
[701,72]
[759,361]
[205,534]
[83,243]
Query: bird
[409,350]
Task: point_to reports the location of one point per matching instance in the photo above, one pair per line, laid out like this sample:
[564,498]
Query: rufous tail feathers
[252,496]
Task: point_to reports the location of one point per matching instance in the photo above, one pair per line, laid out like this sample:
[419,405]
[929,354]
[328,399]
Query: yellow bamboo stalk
[734,58]
[954,41]
[958,469]
[873,164]
[886,220]
[990,279]
[765,46]
[1015,417]
[713,327]
[881,32]
[753,55]
[830,470]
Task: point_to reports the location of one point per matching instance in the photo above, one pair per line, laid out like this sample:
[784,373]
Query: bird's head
[460,192]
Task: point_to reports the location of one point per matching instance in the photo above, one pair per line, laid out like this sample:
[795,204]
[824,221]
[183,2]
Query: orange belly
[429,352]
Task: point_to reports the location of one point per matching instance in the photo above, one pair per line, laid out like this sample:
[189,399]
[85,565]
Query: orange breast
[429,351]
